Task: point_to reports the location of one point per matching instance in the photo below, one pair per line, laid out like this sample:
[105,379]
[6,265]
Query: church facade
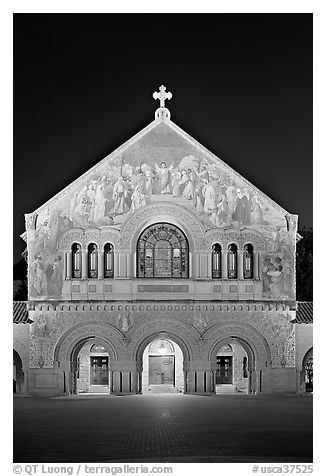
[160,269]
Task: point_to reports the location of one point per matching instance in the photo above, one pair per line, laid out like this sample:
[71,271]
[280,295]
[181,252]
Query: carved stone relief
[131,229]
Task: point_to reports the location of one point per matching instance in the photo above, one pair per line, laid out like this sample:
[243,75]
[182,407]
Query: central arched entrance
[162,367]
[162,360]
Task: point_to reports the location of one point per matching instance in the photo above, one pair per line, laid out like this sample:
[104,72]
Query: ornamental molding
[166,306]
[178,331]
[91,235]
[240,331]
[152,213]
[105,331]
[238,237]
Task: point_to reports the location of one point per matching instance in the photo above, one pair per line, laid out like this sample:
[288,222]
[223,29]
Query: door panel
[224,370]
[161,370]
[99,370]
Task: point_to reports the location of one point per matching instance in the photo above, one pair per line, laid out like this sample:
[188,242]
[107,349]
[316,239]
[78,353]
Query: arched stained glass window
[76,260]
[216,261]
[232,261]
[108,261]
[248,262]
[92,260]
[162,252]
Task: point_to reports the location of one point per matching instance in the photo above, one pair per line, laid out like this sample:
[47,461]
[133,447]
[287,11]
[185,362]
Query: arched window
[226,348]
[92,260]
[307,366]
[108,261]
[162,252]
[161,346]
[216,261]
[76,260]
[248,262]
[232,261]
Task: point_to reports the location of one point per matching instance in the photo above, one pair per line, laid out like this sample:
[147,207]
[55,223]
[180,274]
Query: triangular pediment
[191,176]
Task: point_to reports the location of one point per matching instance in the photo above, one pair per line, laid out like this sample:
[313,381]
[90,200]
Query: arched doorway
[162,362]
[90,367]
[231,369]
[162,367]
[234,367]
[307,371]
[18,374]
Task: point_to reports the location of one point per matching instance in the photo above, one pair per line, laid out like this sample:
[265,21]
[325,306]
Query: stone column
[84,264]
[224,264]
[116,264]
[196,273]
[116,382]
[209,381]
[256,259]
[100,264]
[190,265]
[191,381]
[134,381]
[126,381]
[209,264]
[68,264]
[240,264]
[122,259]
[200,377]
[200,381]
[128,268]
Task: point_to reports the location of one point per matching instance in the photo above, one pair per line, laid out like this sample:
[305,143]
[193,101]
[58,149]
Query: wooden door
[161,370]
[99,370]
[224,370]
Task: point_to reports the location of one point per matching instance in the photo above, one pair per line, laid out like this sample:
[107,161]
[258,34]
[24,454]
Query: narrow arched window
[108,261]
[248,262]
[232,261]
[76,260]
[92,260]
[162,252]
[216,261]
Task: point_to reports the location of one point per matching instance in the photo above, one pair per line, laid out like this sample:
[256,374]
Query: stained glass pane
[162,252]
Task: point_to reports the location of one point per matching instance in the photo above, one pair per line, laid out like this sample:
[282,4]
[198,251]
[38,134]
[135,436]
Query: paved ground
[169,428]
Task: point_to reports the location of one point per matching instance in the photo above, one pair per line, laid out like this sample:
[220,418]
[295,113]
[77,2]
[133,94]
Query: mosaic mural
[159,166]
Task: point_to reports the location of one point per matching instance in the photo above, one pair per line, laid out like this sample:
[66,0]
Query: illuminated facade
[160,269]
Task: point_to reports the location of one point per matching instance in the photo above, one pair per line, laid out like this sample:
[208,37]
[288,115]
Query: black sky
[241,84]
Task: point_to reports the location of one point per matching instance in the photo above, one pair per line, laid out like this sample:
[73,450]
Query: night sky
[241,85]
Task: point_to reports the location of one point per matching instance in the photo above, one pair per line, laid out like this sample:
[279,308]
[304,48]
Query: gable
[132,176]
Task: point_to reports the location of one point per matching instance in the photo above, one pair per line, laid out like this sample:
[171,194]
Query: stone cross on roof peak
[162,95]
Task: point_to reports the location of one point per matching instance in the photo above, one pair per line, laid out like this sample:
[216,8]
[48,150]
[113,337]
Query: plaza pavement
[163,428]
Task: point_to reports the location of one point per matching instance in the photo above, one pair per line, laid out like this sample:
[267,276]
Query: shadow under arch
[306,373]
[254,344]
[19,376]
[140,348]
[71,342]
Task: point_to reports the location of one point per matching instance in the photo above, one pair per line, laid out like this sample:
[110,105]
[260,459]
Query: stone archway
[162,335]
[307,372]
[18,373]
[72,341]
[254,344]
[250,364]
[178,332]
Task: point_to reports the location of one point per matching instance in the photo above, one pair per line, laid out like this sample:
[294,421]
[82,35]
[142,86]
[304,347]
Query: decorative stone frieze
[225,237]
[178,215]
[226,306]
[84,237]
